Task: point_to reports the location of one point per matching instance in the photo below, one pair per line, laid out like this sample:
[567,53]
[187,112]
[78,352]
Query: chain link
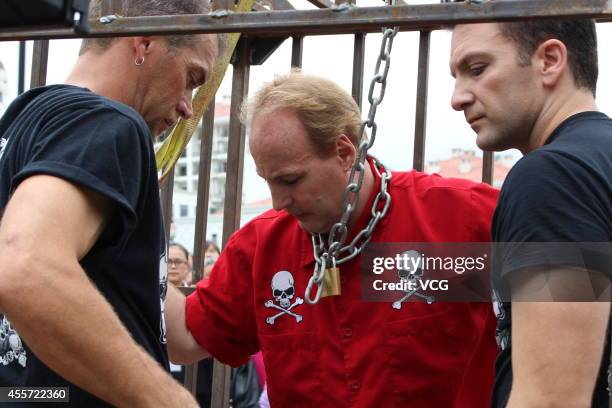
[333,252]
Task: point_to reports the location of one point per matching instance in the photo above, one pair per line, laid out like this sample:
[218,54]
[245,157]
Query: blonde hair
[325,110]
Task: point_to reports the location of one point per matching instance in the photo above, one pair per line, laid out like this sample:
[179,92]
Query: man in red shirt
[342,351]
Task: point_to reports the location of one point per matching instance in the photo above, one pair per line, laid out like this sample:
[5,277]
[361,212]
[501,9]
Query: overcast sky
[331,56]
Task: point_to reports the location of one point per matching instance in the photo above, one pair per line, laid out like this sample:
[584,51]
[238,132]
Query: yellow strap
[169,152]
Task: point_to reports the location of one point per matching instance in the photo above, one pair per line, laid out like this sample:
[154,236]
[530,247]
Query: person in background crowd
[211,255]
[178,264]
[178,272]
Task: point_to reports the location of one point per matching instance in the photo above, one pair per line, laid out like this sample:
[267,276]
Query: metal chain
[334,253]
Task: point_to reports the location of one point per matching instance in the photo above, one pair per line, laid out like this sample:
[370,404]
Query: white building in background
[183,230]
[3,88]
[184,200]
[187,167]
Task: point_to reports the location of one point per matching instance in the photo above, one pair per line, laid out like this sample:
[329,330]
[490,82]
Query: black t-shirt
[104,146]
[559,193]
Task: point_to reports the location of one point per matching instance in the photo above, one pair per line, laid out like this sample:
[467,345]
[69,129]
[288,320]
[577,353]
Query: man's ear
[346,151]
[142,46]
[551,60]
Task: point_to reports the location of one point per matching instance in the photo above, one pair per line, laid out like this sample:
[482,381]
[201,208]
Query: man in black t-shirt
[81,218]
[531,86]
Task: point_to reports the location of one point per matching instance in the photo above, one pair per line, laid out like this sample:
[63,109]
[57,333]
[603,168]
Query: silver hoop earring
[138,61]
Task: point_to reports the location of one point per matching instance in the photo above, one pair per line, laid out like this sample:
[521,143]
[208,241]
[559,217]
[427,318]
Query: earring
[139,61]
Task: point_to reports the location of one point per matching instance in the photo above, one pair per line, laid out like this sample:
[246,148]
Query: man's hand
[47,227]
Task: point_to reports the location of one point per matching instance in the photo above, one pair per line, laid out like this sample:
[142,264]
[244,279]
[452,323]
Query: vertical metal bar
[191,378]
[297,47]
[358,58]
[420,122]
[235,148]
[206,147]
[233,193]
[220,385]
[222,5]
[166,202]
[487,167]
[39,63]
[21,78]
[116,5]
[110,7]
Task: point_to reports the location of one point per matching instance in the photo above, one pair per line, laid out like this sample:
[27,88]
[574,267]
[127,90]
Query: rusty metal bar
[166,203]
[236,143]
[260,7]
[219,392]
[223,5]
[487,167]
[40,56]
[321,3]
[335,21]
[186,290]
[206,147]
[297,49]
[110,7]
[21,69]
[191,378]
[233,192]
[358,59]
[420,120]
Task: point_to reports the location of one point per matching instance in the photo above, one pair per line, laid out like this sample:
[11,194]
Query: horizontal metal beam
[338,20]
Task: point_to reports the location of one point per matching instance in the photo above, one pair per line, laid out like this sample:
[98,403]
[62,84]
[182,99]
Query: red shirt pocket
[292,369]
[428,355]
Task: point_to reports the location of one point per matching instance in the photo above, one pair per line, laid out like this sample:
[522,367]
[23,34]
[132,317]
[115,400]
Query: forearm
[556,352]
[71,327]
[182,347]
[531,399]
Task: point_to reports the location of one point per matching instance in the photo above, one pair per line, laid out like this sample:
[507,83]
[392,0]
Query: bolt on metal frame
[278,17]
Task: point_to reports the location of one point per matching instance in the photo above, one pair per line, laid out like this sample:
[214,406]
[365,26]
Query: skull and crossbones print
[283,292]
[412,273]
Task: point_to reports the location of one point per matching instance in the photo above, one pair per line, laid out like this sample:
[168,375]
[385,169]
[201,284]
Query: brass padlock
[331,282]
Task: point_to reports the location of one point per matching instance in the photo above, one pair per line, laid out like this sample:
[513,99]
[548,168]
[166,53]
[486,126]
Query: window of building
[184,210]
[224,131]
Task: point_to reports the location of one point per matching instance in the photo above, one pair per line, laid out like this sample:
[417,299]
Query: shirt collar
[575,117]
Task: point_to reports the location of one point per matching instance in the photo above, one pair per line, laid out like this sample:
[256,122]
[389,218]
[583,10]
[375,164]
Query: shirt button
[355,385]
[342,280]
[348,332]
